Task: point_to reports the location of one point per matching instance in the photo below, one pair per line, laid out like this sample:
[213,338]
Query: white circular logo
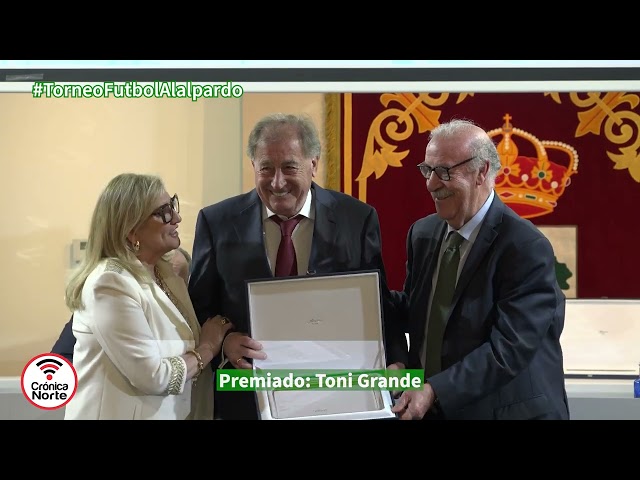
[49,381]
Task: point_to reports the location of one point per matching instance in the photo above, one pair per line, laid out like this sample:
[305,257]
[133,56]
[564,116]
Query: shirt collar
[468,228]
[304,211]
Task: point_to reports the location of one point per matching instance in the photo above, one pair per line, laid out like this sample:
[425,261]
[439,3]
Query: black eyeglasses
[165,212]
[441,172]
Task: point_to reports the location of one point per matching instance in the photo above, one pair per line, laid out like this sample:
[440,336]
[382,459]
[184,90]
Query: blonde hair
[124,204]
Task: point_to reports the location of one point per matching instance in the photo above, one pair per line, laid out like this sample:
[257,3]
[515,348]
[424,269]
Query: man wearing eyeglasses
[482,304]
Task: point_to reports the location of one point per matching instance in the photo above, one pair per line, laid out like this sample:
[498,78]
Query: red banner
[569,160]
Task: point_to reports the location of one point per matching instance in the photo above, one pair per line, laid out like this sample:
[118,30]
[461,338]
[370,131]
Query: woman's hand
[213,332]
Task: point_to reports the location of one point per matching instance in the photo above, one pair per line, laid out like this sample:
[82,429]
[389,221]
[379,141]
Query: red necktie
[286,264]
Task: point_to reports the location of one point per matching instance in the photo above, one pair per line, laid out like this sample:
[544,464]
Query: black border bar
[238,75]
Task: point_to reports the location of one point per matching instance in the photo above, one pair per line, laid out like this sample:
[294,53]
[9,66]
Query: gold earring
[136,246]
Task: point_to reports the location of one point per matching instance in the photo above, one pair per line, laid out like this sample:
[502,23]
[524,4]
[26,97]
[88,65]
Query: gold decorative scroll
[619,126]
[601,113]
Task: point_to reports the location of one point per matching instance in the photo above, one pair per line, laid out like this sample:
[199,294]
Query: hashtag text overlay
[168,89]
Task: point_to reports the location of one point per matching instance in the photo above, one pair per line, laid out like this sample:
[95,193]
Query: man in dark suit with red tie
[484,309]
[287,225]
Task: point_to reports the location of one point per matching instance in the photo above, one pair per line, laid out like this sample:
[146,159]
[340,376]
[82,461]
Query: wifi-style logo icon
[49,381]
[49,366]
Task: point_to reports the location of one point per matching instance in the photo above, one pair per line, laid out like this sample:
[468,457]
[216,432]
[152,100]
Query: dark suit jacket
[501,354]
[66,341]
[229,249]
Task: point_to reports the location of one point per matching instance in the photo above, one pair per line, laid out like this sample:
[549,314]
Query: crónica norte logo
[49,381]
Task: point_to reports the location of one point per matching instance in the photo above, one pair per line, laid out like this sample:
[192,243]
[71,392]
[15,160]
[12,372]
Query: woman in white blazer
[140,352]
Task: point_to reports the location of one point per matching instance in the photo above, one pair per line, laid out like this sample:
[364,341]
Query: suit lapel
[430,261]
[487,234]
[324,231]
[250,232]
[425,281]
[184,310]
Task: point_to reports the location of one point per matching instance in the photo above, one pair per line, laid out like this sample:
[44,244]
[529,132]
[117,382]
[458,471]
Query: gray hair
[482,147]
[269,129]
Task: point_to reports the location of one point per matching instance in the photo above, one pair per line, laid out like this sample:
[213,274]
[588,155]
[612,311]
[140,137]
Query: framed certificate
[330,322]
[600,338]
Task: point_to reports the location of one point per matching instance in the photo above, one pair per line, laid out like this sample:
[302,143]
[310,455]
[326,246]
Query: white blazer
[129,339]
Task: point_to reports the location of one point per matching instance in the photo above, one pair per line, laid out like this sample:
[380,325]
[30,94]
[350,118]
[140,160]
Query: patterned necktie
[286,263]
[440,305]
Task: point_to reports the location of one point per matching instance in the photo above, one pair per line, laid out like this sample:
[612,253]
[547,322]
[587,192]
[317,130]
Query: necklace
[165,289]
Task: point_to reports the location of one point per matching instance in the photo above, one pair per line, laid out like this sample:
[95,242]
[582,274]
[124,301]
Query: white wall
[58,154]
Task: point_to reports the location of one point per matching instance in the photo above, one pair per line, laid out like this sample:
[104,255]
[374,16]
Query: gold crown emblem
[531,186]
